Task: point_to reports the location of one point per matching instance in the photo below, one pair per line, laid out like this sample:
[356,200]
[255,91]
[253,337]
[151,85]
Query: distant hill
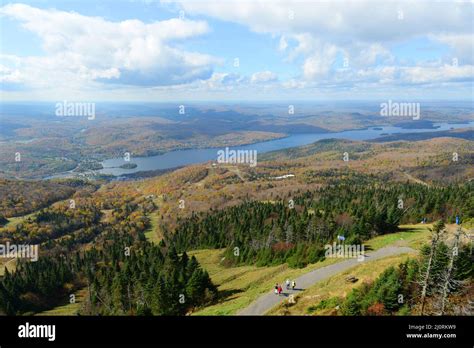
[467,134]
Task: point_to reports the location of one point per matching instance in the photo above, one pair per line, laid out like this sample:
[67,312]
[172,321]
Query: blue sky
[188,50]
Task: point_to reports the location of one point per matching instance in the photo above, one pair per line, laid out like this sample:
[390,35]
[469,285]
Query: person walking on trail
[287,284]
[293,285]
[276,288]
[279,289]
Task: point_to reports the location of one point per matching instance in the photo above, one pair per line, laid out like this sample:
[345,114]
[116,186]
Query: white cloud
[462,44]
[369,54]
[444,73]
[283,44]
[361,20]
[319,63]
[263,76]
[362,31]
[8,75]
[130,52]
[83,53]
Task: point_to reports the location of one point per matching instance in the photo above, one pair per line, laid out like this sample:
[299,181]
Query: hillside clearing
[153,234]
[335,286]
[242,285]
[68,309]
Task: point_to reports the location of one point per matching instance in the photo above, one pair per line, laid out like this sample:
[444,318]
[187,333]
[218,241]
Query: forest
[99,244]
[19,197]
[124,273]
[295,231]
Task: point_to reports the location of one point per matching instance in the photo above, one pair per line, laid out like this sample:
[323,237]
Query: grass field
[240,286]
[70,308]
[13,221]
[8,263]
[153,233]
[336,286]
[413,236]
[468,224]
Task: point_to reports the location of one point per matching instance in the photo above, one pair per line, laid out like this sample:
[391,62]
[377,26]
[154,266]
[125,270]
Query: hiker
[293,285]
[287,284]
[276,288]
[279,289]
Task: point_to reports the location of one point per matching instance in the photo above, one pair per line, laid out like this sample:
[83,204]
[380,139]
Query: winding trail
[265,302]
[418,181]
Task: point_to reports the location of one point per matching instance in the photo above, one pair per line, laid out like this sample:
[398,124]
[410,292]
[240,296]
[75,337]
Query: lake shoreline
[179,158]
[183,157]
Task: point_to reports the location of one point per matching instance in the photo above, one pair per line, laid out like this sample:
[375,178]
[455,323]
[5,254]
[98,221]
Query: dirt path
[412,178]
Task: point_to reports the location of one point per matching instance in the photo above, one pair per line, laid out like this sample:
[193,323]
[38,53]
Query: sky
[275,50]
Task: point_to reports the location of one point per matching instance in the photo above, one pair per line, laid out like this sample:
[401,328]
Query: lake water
[184,157]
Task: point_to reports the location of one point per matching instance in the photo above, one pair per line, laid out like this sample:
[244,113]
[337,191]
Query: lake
[184,157]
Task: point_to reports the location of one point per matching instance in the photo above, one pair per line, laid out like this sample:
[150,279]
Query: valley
[238,172]
[156,136]
[192,212]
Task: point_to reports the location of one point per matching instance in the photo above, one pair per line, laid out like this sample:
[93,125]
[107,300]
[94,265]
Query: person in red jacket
[279,289]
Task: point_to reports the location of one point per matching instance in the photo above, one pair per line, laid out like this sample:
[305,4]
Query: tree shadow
[225,294]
